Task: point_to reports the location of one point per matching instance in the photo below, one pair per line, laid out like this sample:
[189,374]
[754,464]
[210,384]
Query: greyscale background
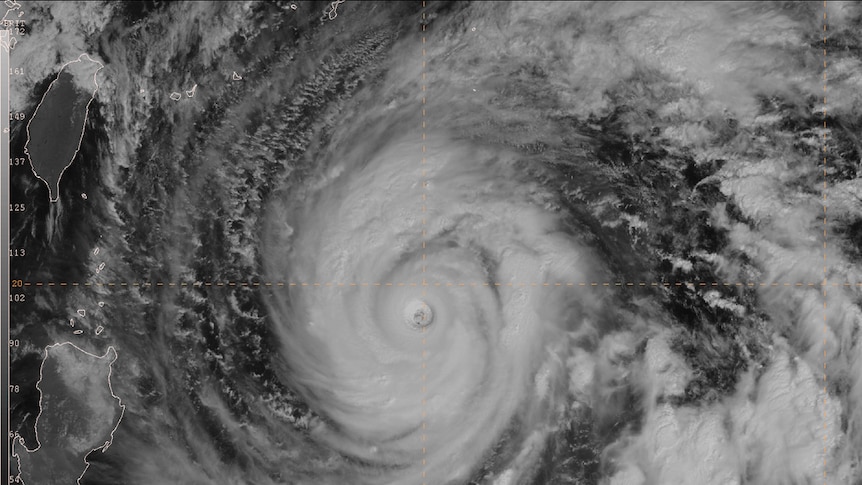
[488,242]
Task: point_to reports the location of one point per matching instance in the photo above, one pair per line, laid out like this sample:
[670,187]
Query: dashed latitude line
[425,283]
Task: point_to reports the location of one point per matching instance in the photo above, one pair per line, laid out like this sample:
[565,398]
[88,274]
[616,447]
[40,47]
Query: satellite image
[433,242]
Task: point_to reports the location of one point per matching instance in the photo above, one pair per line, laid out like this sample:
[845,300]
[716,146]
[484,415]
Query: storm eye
[418,314]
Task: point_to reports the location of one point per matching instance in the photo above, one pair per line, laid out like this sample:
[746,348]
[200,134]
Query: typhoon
[436,335]
[453,242]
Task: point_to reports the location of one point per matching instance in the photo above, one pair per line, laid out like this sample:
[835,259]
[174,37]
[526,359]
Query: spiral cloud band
[487,237]
[460,242]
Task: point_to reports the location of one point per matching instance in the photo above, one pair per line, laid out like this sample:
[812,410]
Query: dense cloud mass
[554,242]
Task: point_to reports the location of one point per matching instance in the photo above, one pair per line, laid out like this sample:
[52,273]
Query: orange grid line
[426,283]
[825,285]
[423,193]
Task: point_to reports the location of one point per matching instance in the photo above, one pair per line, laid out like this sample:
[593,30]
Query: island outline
[54,192]
[108,442]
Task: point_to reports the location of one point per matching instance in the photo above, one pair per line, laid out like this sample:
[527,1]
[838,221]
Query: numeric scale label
[5,216]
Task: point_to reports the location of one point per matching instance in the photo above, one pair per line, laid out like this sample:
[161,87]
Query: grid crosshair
[823,285]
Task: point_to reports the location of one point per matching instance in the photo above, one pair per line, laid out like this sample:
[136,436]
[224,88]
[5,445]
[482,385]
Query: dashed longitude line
[825,250]
[424,283]
[424,173]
